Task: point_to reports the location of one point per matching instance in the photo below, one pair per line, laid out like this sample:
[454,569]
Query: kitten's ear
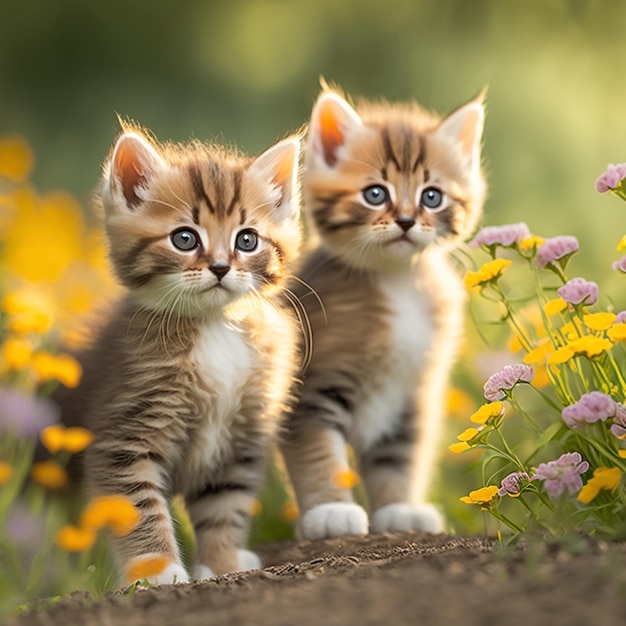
[280,165]
[465,127]
[332,121]
[133,162]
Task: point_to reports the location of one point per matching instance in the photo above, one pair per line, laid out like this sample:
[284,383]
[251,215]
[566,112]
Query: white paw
[335,519]
[401,516]
[248,560]
[171,574]
[202,572]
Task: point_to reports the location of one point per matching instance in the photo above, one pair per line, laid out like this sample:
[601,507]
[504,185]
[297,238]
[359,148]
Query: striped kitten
[186,381]
[390,189]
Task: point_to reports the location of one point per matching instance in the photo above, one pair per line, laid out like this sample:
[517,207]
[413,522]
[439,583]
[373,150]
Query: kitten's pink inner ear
[130,171]
[468,132]
[330,132]
[284,169]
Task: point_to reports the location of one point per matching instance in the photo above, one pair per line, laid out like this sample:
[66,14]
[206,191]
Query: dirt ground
[381,579]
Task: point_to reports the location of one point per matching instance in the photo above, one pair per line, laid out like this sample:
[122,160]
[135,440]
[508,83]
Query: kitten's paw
[335,519]
[202,572]
[401,516]
[138,568]
[248,560]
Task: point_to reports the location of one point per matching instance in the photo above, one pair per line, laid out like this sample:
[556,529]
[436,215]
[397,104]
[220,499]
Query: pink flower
[620,265]
[24,414]
[620,318]
[505,235]
[512,484]
[506,379]
[562,475]
[556,249]
[591,407]
[619,422]
[579,291]
[611,178]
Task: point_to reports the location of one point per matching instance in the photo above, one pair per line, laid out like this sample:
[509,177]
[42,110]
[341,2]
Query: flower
[620,318]
[591,407]
[49,474]
[6,471]
[73,539]
[556,249]
[30,310]
[468,434]
[619,422]
[620,266]
[16,158]
[146,566]
[611,178]
[289,511]
[459,447]
[57,437]
[16,353]
[539,354]
[512,484]
[492,270]
[617,332]
[61,367]
[506,379]
[563,474]
[345,479]
[117,512]
[506,235]
[607,478]
[482,496]
[598,321]
[579,291]
[488,411]
[23,527]
[621,245]
[554,306]
[24,414]
[533,241]
[459,402]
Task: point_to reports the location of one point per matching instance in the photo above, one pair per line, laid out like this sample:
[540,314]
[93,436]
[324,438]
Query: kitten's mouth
[401,239]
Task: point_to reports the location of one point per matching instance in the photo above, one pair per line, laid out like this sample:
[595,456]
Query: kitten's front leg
[388,469]
[316,457]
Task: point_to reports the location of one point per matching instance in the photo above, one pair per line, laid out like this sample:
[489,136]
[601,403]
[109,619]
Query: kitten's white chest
[395,382]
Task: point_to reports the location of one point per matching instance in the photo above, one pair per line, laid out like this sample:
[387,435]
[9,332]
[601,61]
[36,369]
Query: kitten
[389,189]
[185,383]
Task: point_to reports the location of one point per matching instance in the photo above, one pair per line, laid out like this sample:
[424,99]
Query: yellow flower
[590,345]
[289,511]
[552,307]
[607,478]
[30,310]
[458,448]
[482,496]
[346,479]
[256,506]
[514,344]
[16,353]
[459,402]
[61,367]
[541,377]
[146,566]
[569,331]
[599,321]
[6,471]
[49,474]
[621,246]
[117,512]
[562,355]
[617,332]
[488,411]
[622,453]
[528,243]
[74,439]
[16,158]
[540,353]
[73,539]
[468,434]
[488,272]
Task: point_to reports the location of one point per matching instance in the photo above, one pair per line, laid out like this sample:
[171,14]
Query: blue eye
[185,239]
[432,198]
[376,195]
[247,240]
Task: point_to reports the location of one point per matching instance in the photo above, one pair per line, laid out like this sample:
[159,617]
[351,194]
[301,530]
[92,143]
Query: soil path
[384,580]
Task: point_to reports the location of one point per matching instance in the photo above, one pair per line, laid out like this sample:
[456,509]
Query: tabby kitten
[390,189]
[185,383]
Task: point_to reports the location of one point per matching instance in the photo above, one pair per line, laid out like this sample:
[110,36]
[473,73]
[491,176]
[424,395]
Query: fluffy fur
[186,381]
[389,190]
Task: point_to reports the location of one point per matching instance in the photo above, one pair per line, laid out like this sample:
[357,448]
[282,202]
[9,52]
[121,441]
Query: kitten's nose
[405,222]
[220,269]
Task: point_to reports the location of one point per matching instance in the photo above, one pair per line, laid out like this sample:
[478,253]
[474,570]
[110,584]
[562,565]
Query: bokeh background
[247,72]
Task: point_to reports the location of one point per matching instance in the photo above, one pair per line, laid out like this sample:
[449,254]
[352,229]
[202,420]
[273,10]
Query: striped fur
[186,381]
[385,307]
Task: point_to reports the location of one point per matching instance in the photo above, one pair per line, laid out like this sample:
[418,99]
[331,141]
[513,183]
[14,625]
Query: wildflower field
[543,445]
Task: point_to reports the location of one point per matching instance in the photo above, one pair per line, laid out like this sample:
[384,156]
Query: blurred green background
[247,71]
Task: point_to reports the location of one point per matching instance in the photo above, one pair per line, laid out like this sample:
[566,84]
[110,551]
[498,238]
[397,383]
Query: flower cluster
[568,453]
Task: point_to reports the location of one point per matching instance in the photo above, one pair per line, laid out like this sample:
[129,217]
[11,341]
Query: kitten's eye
[247,240]
[185,239]
[432,198]
[376,195]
